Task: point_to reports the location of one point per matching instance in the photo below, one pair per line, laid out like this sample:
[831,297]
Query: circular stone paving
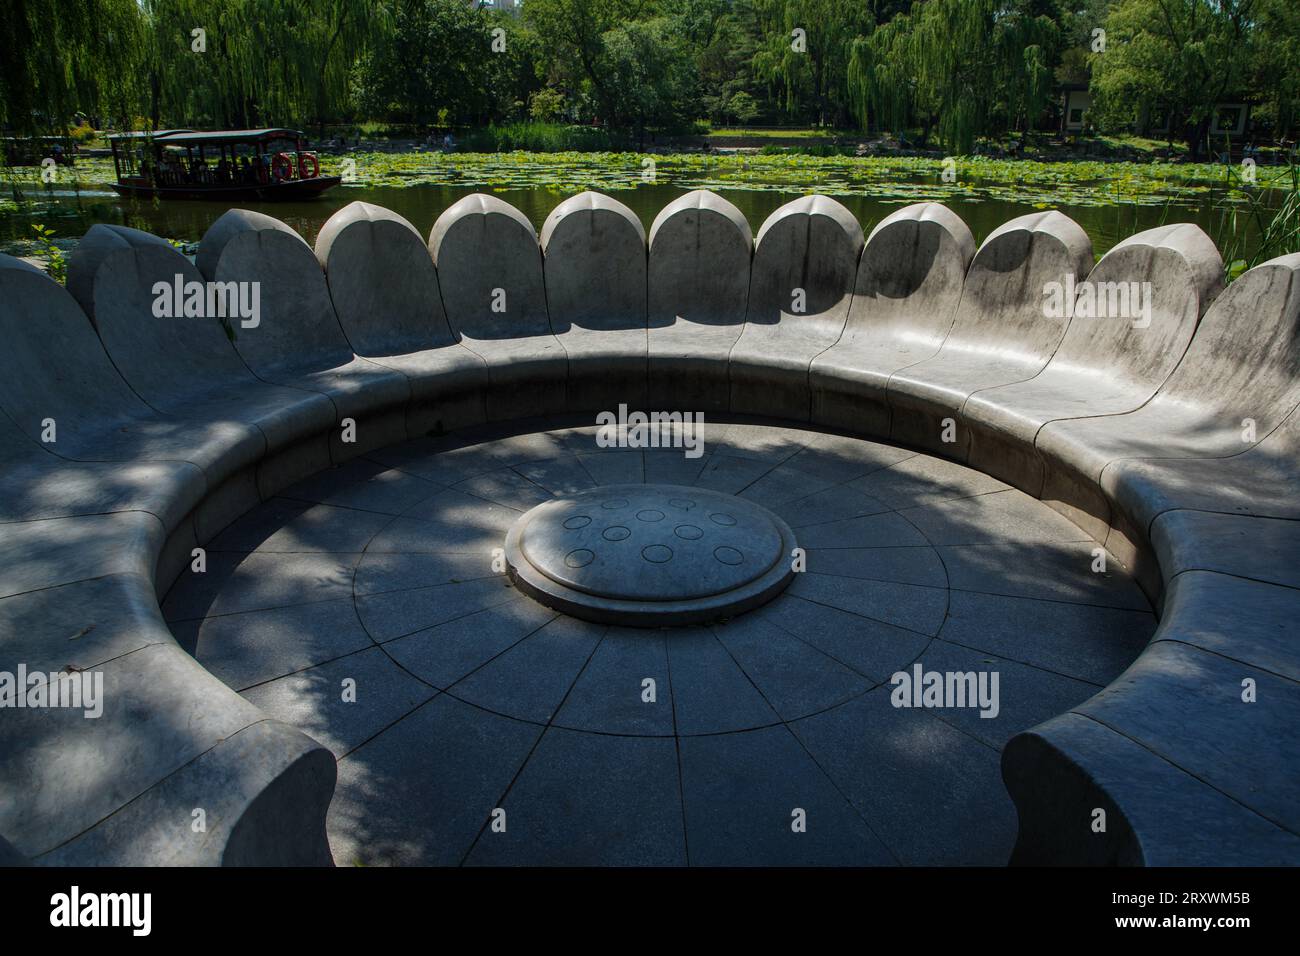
[370,606]
[650,555]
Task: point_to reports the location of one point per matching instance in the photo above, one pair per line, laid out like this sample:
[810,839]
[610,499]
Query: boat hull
[287,190]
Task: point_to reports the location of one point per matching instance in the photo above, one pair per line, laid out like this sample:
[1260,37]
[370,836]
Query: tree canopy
[946,71]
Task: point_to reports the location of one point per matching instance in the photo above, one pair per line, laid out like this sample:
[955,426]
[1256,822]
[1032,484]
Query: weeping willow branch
[953,66]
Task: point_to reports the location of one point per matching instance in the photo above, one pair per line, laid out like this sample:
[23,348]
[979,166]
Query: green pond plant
[1266,207]
[56,262]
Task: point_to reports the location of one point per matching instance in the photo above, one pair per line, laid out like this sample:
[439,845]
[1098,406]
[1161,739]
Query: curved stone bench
[594,249]
[700,248]
[175,767]
[187,367]
[1258,481]
[490,267]
[83,488]
[908,285]
[801,284]
[298,341]
[1235,384]
[999,335]
[70,401]
[385,291]
[1104,365]
[167,430]
[1187,771]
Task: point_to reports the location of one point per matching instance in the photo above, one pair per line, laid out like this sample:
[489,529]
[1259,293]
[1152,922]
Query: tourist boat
[33,150]
[236,164]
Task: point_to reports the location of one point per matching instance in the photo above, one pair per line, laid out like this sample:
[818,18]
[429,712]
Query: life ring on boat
[306,160]
[282,167]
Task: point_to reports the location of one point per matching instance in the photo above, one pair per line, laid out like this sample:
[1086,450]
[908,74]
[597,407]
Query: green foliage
[1275,67]
[629,64]
[123,61]
[56,263]
[572,47]
[436,65]
[57,58]
[1276,223]
[813,150]
[956,70]
[650,76]
[1180,57]
[537,137]
[810,65]
[957,66]
[546,105]
[259,62]
[742,107]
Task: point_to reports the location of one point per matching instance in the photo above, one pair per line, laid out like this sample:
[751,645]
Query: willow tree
[211,63]
[340,32]
[255,61]
[805,55]
[953,67]
[58,59]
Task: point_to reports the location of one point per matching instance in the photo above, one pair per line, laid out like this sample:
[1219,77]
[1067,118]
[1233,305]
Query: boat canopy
[146,134]
[189,137]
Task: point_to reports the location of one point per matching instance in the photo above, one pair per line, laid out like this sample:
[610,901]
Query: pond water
[984,207]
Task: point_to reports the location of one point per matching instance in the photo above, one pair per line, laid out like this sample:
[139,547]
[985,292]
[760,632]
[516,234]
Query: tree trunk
[1197,138]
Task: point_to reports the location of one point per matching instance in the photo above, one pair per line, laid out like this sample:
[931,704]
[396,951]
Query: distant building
[1076,101]
[1230,118]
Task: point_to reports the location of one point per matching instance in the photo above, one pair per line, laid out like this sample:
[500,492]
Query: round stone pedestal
[650,555]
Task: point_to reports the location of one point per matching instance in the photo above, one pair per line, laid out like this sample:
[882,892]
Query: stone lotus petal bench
[1103,366]
[595,275]
[1192,774]
[1235,384]
[30,490]
[188,368]
[801,284]
[78,592]
[999,335]
[699,269]
[1258,481]
[74,388]
[165,434]
[299,341]
[908,285]
[385,291]
[490,270]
